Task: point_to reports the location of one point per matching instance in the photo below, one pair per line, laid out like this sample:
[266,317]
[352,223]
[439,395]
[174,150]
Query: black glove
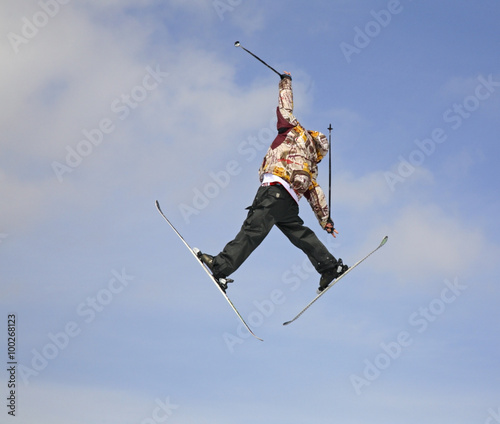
[329,227]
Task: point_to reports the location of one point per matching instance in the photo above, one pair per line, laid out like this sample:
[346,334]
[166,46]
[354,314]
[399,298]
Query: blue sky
[108,106]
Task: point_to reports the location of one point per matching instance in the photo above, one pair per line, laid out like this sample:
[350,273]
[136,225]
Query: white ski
[195,254]
[384,240]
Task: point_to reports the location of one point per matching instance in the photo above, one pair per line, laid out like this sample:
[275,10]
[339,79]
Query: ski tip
[286,323]
[255,335]
[158,206]
[384,240]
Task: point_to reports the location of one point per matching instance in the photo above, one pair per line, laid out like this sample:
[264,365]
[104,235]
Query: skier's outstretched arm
[317,200]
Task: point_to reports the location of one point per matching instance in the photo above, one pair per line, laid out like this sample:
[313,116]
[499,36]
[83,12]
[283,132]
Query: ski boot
[331,274]
[208,260]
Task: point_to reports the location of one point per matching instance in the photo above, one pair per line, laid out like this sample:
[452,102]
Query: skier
[288,172]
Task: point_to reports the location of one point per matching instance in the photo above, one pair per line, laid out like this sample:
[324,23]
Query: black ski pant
[272,205]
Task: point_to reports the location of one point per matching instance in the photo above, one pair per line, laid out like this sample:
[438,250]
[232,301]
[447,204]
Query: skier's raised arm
[285,100]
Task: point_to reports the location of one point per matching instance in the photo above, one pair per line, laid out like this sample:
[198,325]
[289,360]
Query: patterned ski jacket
[295,153]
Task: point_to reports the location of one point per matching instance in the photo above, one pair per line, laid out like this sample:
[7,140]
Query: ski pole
[330,171]
[237,44]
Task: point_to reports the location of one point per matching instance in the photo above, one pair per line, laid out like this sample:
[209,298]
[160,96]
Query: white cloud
[426,244]
[62,79]
[66,79]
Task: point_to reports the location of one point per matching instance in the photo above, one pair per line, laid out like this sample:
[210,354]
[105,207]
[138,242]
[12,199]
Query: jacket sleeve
[317,200]
[285,101]
[320,143]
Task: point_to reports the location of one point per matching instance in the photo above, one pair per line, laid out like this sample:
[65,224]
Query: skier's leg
[303,237]
[255,228]
[306,240]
